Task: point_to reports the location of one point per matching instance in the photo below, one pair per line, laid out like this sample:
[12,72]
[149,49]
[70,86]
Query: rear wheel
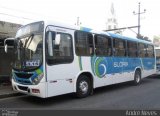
[83,86]
[137,77]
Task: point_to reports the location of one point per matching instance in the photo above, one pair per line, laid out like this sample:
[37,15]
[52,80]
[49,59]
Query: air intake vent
[23,88]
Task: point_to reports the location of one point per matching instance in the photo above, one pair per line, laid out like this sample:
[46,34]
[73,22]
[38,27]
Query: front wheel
[83,87]
[137,78]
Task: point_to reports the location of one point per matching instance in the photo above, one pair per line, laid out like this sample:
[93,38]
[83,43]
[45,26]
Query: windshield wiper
[29,38]
[25,47]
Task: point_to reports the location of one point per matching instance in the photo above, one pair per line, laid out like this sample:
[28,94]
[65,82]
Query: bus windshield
[28,47]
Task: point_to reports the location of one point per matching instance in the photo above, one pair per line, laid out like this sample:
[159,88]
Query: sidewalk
[6,91]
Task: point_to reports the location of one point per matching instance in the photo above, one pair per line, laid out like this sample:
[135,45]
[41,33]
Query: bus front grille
[23,75]
[23,88]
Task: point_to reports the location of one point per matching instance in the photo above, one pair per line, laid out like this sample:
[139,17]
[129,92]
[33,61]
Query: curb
[7,95]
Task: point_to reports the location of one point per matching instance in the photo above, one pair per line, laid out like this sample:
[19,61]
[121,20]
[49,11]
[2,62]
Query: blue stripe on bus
[85,29]
[109,65]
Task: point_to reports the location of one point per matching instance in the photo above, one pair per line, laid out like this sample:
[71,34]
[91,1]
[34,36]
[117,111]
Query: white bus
[53,59]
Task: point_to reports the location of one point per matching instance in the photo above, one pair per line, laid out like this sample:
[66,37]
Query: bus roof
[74,27]
[129,38]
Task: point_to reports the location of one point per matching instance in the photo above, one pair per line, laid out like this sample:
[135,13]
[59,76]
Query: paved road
[120,96]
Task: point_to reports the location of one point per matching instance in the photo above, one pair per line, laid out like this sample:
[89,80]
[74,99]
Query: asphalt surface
[122,96]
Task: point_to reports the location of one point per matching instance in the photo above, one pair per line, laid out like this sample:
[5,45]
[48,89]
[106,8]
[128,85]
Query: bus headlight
[36,80]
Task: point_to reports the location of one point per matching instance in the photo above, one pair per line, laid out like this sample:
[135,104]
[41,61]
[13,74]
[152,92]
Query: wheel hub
[83,87]
[137,78]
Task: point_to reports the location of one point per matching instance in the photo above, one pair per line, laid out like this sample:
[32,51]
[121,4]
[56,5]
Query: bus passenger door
[59,60]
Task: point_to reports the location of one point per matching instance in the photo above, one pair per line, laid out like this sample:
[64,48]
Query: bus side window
[150,51]
[102,45]
[84,43]
[142,50]
[119,47]
[132,49]
[50,38]
[60,48]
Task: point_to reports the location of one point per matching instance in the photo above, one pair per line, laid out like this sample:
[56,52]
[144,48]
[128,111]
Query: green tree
[156,40]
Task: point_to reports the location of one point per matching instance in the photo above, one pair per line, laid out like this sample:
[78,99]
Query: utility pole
[139,13]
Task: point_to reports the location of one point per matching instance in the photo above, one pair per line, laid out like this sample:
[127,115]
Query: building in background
[112,22]
[7,30]
[156,41]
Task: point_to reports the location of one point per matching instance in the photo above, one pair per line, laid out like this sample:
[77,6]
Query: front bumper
[28,89]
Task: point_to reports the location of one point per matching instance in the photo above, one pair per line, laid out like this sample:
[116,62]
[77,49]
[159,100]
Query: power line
[18,10]
[16,16]
[122,28]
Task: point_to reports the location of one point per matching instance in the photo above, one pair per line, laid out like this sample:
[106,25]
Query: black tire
[137,78]
[83,87]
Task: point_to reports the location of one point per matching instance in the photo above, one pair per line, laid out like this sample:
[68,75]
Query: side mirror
[6,48]
[8,41]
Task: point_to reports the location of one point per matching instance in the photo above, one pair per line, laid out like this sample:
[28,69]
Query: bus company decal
[147,63]
[39,70]
[99,66]
[37,74]
[80,63]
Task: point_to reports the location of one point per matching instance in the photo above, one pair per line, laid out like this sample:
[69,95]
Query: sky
[92,13]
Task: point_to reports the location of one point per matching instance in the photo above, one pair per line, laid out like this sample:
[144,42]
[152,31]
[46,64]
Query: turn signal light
[35,91]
